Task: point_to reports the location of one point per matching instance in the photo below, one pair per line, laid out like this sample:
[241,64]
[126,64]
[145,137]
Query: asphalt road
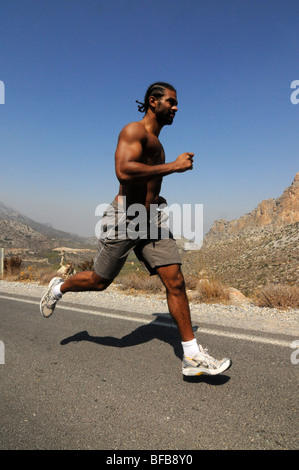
[101,380]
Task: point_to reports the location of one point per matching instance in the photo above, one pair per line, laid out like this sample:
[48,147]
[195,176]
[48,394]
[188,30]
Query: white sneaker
[49,300]
[202,363]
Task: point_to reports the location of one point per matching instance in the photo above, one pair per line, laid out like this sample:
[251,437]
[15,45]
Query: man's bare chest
[153,151]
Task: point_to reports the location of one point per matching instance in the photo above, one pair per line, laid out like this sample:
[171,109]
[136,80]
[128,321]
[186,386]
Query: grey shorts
[154,246]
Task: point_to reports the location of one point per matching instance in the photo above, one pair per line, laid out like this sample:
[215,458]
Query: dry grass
[152,284]
[86,265]
[31,274]
[278,296]
[204,290]
[207,291]
[140,282]
[191,282]
[210,291]
[44,275]
[12,265]
[15,271]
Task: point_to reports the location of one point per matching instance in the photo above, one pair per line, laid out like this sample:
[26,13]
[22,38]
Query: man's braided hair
[157,90]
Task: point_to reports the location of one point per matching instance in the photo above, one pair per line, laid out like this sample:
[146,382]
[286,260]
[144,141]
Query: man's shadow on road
[162,328]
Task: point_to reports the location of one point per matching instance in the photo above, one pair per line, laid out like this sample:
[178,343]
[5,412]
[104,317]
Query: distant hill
[259,248]
[19,231]
[9,213]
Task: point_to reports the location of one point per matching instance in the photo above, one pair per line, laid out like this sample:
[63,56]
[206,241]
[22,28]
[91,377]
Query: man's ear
[153,102]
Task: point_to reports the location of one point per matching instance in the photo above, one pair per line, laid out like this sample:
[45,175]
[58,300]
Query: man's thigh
[111,257]
[155,253]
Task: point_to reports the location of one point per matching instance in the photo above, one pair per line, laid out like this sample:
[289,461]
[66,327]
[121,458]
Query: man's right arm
[129,164]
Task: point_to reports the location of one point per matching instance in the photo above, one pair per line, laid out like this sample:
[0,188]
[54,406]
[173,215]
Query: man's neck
[151,125]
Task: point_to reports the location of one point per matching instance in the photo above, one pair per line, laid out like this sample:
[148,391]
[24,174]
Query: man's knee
[175,282]
[99,283]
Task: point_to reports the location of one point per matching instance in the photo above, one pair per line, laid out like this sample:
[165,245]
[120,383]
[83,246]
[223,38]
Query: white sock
[190,348]
[56,291]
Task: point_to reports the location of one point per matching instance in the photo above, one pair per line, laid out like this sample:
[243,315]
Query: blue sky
[73,69]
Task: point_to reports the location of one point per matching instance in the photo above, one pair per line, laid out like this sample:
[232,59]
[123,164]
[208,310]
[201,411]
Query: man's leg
[83,281]
[196,359]
[177,300]
[108,262]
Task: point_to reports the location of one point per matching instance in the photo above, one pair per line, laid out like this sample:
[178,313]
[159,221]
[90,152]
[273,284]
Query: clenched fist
[184,162]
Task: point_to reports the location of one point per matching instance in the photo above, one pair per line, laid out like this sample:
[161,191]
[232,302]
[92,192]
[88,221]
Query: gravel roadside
[247,316]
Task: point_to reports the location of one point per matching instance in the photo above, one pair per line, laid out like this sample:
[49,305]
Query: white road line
[241,336]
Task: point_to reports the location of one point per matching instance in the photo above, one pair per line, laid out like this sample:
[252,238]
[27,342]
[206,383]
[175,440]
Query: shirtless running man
[140,167]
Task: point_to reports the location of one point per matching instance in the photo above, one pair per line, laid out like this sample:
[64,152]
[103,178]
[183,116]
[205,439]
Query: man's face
[166,108]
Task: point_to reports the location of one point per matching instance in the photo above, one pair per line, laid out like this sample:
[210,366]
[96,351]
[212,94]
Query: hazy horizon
[97,218]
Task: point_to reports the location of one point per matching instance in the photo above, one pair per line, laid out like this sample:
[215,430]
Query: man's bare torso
[145,193]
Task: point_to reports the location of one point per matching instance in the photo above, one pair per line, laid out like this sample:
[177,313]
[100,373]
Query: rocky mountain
[259,248]
[272,213]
